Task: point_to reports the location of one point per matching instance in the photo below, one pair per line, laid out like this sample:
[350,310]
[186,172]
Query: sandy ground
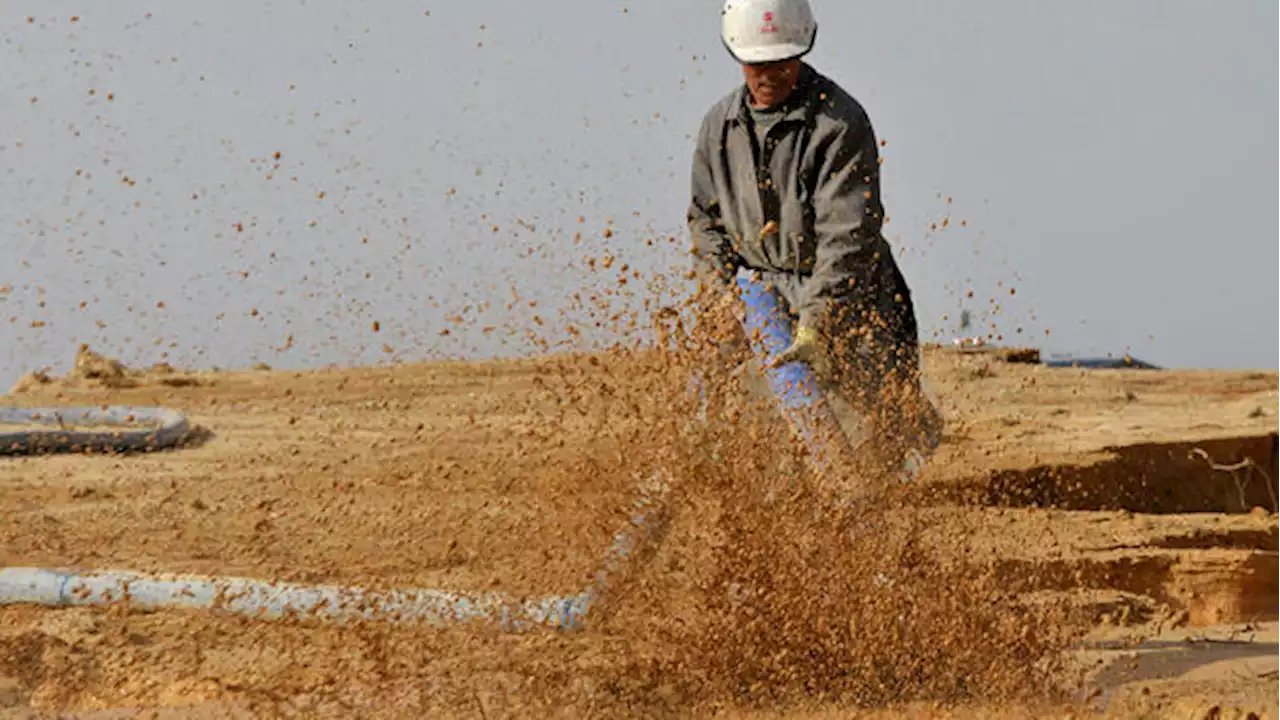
[1090,491]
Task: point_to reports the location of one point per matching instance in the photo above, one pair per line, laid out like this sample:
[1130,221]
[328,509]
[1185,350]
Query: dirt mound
[92,369]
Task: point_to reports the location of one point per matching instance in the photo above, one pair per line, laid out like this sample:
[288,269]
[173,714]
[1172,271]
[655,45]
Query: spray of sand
[775,585]
[769,590]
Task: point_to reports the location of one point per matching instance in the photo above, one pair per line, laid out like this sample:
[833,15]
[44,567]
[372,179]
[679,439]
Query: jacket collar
[798,104]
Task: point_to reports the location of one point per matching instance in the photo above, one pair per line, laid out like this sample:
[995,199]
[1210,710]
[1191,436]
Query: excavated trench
[1200,588]
[1182,530]
[1149,478]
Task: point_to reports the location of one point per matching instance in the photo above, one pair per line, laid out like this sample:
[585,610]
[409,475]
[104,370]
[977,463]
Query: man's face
[771,83]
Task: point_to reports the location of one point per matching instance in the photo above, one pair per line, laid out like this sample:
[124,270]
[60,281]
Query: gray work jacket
[817,177]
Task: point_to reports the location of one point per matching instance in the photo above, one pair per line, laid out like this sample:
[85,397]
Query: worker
[786,184]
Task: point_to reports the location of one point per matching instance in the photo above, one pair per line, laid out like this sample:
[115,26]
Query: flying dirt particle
[30,19]
[37,323]
[253,312]
[376,326]
[160,305]
[494,228]
[34,99]
[92,91]
[276,155]
[320,195]
[1013,291]
[111,96]
[883,143]
[443,332]
[427,13]
[388,349]
[608,232]
[75,18]
[239,227]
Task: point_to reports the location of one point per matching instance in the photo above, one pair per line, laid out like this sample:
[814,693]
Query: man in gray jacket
[786,183]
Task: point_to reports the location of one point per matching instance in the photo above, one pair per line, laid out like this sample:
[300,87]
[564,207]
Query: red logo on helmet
[768,26]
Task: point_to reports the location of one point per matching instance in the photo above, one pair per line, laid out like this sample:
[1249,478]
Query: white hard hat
[760,31]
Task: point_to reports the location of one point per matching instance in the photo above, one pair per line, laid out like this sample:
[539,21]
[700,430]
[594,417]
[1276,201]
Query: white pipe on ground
[276,600]
[273,601]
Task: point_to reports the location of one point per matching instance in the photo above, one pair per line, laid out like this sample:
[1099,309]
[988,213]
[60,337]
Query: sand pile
[92,369]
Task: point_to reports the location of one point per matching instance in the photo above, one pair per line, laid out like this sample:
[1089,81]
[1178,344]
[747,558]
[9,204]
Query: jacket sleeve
[848,215]
[714,256]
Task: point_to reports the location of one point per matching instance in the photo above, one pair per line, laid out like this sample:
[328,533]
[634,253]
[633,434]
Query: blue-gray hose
[125,429]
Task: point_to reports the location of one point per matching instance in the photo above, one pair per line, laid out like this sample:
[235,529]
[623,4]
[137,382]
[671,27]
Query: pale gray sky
[1112,161]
